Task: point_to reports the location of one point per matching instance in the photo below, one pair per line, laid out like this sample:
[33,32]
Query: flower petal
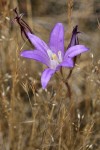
[75,50]
[68,62]
[56,41]
[47,74]
[74,39]
[36,55]
[37,42]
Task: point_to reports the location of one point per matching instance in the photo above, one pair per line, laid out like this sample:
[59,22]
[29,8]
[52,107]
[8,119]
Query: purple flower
[53,55]
[74,39]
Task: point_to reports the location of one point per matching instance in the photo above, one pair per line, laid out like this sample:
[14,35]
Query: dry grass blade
[35,119]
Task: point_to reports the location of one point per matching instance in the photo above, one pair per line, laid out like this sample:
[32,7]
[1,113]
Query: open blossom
[53,54]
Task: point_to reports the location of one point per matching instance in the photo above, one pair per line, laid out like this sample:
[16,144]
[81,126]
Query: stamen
[49,53]
[59,56]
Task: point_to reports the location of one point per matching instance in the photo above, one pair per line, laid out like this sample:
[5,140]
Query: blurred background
[36,119]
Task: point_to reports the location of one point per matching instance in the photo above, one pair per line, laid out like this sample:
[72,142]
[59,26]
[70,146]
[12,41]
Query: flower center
[55,59]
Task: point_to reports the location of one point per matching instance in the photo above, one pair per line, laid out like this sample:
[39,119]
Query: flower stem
[69,89]
[65,81]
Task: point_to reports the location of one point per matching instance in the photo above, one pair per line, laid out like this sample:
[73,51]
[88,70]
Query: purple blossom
[53,54]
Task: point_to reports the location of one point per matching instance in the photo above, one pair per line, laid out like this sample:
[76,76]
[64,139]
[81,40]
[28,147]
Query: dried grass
[36,119]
